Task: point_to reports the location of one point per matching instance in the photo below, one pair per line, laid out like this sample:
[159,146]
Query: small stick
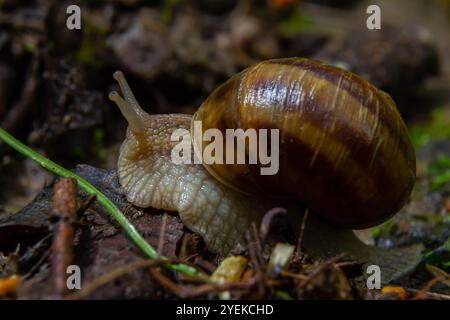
[216,288]
[293,275]
[114,274]
[189,292]
[298,249]
[86,204]
[258,244]
[253,250]
[424,292]
[121,271]
[64,211]
[168,284]
[320,268]
[431,295]
[162,231]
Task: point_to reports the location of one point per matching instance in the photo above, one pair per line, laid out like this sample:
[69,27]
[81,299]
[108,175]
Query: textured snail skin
[345,151]
[218,214]
[150,178]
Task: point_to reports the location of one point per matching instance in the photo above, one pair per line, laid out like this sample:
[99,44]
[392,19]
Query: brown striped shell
[345,151]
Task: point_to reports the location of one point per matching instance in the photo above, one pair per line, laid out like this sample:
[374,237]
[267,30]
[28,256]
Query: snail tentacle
[132,117]
[129,106]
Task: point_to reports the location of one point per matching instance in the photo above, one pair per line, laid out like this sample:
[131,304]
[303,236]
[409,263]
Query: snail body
[344,152]
[217,213]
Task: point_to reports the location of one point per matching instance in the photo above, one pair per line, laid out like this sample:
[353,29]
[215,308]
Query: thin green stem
[115,212]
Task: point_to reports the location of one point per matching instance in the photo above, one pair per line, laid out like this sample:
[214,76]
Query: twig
[213,288]
[255,258]
[43,243]
[204,264]
[64,211]
[189,292]
[168,284]
[431,295]
[183,248]
[289,274]
[86,204]
[162,232]
[424,292]
[121,219]
[116,273]
[258,244]
[298,249]
[319,269]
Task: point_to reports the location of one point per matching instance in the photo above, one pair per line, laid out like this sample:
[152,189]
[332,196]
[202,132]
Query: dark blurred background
[54,82]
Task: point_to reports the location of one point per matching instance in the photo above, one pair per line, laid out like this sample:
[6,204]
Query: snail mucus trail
[345,153]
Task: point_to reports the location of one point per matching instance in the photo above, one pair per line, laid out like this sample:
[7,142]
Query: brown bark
[64,214]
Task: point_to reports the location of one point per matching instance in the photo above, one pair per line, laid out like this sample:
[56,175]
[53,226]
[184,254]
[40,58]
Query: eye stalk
[129,106]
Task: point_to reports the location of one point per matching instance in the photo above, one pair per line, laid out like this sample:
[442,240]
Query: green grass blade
[115,212]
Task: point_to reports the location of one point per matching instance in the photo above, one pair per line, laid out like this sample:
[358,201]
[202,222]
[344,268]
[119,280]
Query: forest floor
[54,85]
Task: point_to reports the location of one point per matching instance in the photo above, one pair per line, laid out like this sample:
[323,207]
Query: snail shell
[344,151]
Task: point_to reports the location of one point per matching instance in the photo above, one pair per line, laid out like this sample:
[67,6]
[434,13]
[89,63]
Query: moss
[297,22]
[440,171]
[93,39]
[29,46]
[169,8]
[436,128]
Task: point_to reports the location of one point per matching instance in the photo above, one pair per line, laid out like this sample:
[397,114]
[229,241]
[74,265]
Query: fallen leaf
[399,291]
[9,285]
[229,270]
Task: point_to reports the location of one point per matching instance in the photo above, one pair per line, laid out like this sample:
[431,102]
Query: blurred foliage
[436,128]
[168,9]
[439,256]
[440,171]
[297,22]
[29,46]
[93,37]
[383,228]
[283,295]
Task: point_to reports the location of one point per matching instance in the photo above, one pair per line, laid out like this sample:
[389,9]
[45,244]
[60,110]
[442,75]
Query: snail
[344,152]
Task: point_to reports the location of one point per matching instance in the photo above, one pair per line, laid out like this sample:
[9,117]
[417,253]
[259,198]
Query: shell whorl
[344,148]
